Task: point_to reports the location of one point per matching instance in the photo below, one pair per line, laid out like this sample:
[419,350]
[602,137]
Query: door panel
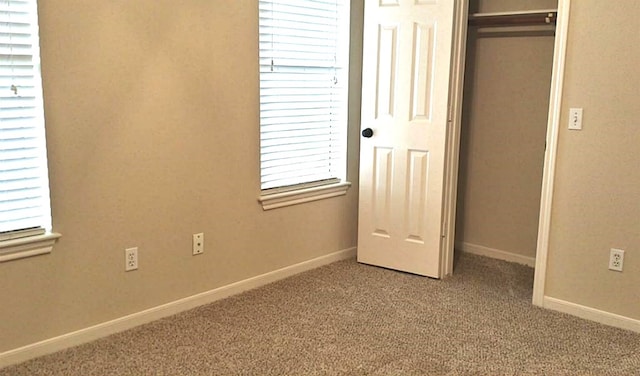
[416,196]
[383,178]
[386,82]
[422,72]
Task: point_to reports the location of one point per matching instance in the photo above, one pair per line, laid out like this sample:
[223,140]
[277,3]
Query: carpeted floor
[352,319]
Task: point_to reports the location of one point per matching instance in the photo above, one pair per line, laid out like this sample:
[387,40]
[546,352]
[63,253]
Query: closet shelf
[526,18]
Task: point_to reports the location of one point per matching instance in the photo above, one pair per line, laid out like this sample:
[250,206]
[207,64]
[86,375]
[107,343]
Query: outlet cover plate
[616,259]
[198,243]
[130,259]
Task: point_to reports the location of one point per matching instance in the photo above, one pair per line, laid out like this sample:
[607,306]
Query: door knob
[367,132]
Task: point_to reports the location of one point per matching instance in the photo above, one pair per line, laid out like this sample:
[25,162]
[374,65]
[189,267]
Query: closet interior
[504,122]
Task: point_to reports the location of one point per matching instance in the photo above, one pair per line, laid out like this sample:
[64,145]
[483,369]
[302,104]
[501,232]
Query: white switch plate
[575,119]
[198,243]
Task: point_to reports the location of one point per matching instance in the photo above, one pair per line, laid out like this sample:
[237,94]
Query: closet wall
[506,99]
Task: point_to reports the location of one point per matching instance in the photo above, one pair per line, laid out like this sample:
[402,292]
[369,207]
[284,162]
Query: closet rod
[513,19]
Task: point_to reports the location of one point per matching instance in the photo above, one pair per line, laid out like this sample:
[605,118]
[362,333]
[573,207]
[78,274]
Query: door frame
[553,127]
[452,149]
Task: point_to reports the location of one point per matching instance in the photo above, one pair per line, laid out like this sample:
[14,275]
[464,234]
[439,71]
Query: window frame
[282,196]
[21,242]
[29,246]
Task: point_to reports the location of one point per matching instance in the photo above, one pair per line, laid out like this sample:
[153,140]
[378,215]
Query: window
[304,58]
[25,215]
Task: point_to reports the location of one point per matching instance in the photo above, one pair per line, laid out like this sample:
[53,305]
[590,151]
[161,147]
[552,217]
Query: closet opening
[507,85]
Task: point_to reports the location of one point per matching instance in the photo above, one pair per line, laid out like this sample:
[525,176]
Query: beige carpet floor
[352,319]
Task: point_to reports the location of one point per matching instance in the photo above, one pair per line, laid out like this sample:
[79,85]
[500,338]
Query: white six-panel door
[405,97]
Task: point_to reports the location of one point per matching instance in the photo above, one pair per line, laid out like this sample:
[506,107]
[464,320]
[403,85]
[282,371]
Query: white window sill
[28,246]
[299,196]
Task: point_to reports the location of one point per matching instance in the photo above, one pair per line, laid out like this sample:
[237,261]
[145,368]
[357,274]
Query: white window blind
[304,47]
[24,190]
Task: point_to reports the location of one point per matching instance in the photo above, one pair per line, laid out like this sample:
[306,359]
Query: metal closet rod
[528,18]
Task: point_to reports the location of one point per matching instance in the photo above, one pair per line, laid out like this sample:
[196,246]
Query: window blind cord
[337,29]
[13,88]
[273,32]
[335,76]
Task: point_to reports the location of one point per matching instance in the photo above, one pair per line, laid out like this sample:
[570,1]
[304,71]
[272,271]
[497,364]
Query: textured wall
[596,203]
[152,124]
[506,103]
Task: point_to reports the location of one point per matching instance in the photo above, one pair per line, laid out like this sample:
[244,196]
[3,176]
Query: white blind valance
[24,193]
[303,91]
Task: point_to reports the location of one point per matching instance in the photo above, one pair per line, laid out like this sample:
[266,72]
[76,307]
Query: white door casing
[407,67]
[553,127]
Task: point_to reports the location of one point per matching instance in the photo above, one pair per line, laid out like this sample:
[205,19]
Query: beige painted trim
[496,254]
[553,126]
[30,246]
[592,314]
[127,322]
[299,196]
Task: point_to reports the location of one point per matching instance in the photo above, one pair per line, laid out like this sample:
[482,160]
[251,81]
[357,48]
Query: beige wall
[596,203]
[506,102]
[152,124]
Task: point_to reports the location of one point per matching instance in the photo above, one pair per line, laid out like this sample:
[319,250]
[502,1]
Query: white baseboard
[130,321]
[578,310]
[496,254]
[592,314]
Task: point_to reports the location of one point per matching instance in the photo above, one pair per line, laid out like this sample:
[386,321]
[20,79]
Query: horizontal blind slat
[280,148]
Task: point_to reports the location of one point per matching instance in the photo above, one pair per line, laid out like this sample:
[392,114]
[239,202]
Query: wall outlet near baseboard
[616,259]
[198,243]
[130,259]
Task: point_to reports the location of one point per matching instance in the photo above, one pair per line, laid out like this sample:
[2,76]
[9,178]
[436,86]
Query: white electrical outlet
[616,259]
[198,243]
[130,259]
